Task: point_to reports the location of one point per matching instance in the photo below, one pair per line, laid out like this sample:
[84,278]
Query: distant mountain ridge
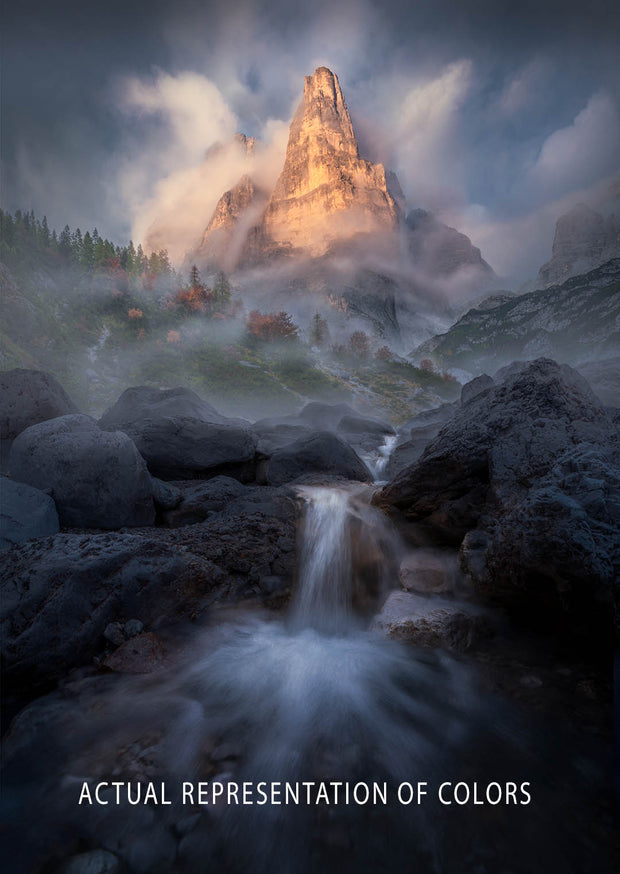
[584,239]
[576,321]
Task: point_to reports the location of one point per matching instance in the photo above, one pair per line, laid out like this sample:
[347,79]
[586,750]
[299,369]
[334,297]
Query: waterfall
[325,586]
[311,699]
[377,461]
[347,558]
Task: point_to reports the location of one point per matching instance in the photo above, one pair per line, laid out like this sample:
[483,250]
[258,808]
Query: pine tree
[221,292]
[319,330]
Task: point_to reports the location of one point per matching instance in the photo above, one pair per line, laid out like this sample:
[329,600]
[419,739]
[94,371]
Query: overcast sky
[495,114]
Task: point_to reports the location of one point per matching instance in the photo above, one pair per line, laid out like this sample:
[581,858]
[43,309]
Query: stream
[356,732]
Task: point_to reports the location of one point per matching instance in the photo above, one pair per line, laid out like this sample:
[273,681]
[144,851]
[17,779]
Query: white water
[324,593]
[377,462]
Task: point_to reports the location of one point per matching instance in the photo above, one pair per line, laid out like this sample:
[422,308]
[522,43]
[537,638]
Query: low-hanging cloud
[173,180]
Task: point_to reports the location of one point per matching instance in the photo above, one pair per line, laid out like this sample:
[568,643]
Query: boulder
[60,595]
[475,387]
[428,572]
[141,654]
[364,434]
[318,415]
[187,448]
[432,622]
[25,513]
[28,397]
[93,862]
[97,478]
[417,433]
[272,436]
[408,452]
[63,599]
[200,500]
[527,475]
[166,495]
[142,402]
[321,452]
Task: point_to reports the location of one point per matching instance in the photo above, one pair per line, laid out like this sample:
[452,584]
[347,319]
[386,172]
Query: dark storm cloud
[495,114]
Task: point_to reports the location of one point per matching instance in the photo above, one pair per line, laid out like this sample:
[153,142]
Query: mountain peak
[325,192]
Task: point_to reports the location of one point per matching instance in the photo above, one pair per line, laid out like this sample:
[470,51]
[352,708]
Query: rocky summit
[325,190]
[327,200]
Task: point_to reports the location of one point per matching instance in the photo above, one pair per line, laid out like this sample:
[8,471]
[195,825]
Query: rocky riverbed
[186,594]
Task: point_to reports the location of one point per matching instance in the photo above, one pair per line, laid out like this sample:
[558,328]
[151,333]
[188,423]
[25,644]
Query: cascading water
[311,700]
[378,461]
[324,594]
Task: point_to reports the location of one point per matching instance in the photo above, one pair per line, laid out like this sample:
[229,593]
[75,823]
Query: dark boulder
[527,475]
[28,397]
[321,452]
[188,448]
[272,436]
[25,513]
[60,594]
[143,402]
[200,500]
[98,479]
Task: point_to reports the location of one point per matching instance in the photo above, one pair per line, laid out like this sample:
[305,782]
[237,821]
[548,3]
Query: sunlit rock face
[334,219]
[325,191]
[225,235]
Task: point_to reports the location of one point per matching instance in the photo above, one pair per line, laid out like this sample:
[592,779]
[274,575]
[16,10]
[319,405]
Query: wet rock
[97,478]
[408,452]
[114,632]
[416,434]
[60,595]
[180,447]
[133,627]
[527,476]
[25,513]
[432,622]
[165,495]
[428,572]
[200,500]
[28,397]
[320,453]
[142,654]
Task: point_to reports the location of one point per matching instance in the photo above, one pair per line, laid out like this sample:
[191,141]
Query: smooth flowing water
[311,698]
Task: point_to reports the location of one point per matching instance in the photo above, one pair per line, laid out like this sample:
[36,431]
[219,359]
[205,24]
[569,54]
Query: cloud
[576,155]
[518,245]
[426,142]
[170,185]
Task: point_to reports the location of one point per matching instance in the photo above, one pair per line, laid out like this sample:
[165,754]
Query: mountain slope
[576,321]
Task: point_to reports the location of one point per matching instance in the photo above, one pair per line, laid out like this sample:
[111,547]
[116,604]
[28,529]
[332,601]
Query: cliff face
[327,201]
[325,192]
[438,249]
[583,240]
[225,235]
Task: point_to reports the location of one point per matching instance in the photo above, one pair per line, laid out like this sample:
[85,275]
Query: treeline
[27,240]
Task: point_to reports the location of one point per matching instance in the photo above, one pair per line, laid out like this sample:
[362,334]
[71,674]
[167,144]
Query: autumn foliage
[359,344]
[271,326]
